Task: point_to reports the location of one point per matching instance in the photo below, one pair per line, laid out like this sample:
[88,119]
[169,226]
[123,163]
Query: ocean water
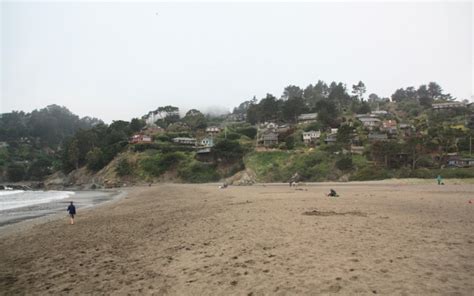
[12,199]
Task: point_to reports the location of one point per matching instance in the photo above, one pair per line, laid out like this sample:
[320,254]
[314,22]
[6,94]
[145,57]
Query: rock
[243,178]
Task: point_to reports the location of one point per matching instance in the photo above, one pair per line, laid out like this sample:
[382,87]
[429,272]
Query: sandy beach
[378,238]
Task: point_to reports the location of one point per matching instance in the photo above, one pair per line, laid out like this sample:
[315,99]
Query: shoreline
[37,214]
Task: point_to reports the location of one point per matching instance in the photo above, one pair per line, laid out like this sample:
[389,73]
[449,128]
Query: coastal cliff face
[264,166]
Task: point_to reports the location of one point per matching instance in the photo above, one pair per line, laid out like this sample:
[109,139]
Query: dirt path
[199,240]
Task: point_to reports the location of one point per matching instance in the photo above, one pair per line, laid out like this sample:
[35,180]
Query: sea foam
[12,199]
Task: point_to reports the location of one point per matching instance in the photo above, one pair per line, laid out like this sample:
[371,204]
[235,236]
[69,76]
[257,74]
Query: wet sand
[260,240]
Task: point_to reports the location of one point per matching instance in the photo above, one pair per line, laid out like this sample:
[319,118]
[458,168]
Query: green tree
[359,90]
[228,150]
[292,91]
[137,125]
[268,108]
[293,107]
[344,136]
[313,94]
[327,112]
[168,115]
[95,159]
[195,119]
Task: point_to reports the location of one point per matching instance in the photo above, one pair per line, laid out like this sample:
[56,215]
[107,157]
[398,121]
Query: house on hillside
[283,128]
[330,139]
[140,139]
[370,122]
[311,137]
[270,139]
[204,155]
[359,150]
[185,141]
[213,130]
[308,117]
[389,126]
[458,161]
[406,129]
[379,113]
[375,137]
[268,126]
[207,142]
[449,105]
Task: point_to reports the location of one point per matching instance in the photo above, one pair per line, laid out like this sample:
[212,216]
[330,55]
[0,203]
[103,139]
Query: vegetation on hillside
[36,144]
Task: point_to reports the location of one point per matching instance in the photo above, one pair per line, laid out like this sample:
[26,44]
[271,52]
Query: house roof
[270,136]
[378,136]
[308,116]
[312,132]
[369,119]
[183,139]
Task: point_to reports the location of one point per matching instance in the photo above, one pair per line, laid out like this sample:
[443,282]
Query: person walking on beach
[72,211]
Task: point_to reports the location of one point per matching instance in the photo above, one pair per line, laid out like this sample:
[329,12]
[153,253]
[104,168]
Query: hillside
[320,133]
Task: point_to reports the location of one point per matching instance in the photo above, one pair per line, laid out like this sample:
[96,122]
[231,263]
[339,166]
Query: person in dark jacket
[72,211]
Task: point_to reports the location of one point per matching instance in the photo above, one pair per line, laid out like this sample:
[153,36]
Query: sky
[116,61]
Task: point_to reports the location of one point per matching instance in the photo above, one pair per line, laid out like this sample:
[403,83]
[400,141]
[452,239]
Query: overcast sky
[121,60]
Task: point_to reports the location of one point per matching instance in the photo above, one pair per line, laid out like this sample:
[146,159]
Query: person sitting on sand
[332,193]
[440,180]
[72,211]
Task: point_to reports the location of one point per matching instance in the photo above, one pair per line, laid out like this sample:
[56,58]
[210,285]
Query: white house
[140,139]
[311,136]
[207,142]
[185,141]
[213,130]
[450,105]
[370,122]
[308,117]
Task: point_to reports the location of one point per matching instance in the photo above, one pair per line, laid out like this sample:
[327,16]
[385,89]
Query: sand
[388,239]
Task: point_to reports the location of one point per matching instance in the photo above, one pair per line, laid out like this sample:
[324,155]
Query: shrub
[124,168]
[40,168]
[423,173]
[16,172]
[228,150]
[290,142]
[344,164]
[250,132]
[370,173]
[160,163]
[198,172]
[232,136]
[455,173]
